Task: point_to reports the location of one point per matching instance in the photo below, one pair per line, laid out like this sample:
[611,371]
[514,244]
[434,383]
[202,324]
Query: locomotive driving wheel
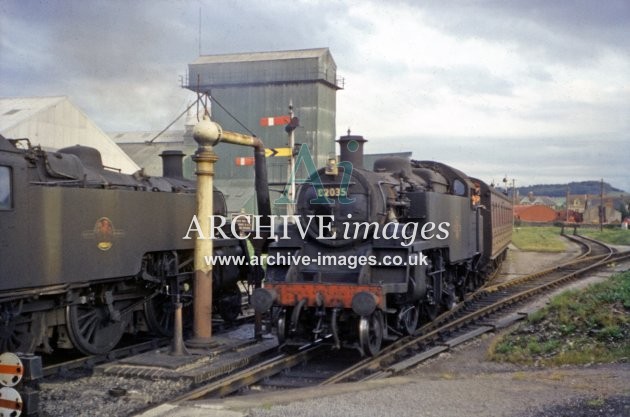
[371,333]
[159,309]
[22,333]
[281,326]
[159,314]
[91,328]
[429,311]
[408,319]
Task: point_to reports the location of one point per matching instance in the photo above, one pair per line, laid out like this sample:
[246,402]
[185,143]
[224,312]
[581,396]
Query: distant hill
[560,190]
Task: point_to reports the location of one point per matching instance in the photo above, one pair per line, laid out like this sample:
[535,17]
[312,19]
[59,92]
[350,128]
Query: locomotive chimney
[172,165]
[351,149]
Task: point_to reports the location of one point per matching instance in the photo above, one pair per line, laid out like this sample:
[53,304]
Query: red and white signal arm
[275,120]
[244,161]
[10,402]
[11,369]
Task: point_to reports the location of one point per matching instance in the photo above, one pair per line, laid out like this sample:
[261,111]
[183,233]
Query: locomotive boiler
[88,254]
[376,251]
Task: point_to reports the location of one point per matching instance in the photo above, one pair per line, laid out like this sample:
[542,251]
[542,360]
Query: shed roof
[15,110]
[262,56]
[144,136]
[55,123]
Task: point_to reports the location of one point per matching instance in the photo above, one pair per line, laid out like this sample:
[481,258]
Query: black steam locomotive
[377,251]
[87,254]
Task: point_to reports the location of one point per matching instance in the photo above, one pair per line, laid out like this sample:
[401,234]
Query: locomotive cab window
[459,188]
[6,199]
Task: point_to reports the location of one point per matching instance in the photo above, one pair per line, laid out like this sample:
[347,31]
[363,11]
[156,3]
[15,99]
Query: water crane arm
[211,133]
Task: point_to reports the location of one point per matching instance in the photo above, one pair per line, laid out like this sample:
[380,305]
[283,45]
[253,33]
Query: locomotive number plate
[332,192]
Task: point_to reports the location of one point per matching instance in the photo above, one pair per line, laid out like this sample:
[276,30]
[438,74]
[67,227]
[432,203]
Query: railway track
[477,315]
[63,366]
[469,319]
[60,364]
[316,364]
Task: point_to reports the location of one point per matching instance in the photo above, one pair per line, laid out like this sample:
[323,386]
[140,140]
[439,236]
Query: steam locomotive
[384,249]
[88,254]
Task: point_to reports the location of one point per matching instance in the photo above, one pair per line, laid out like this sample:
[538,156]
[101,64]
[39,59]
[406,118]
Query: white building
[55,123]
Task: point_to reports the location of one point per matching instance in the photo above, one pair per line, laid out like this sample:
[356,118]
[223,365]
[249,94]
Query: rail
[428,340]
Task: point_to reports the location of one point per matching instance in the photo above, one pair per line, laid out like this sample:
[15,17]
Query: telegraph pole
[602,208]
[513,200]
[291,206]
[567,206]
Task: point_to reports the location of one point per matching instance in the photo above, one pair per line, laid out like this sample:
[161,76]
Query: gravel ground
[609,407]
[81,395]
[519,263]
[454,384]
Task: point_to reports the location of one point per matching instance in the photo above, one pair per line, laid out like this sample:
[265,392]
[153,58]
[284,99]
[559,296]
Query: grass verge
[577,327]
[616,236]
[538,239]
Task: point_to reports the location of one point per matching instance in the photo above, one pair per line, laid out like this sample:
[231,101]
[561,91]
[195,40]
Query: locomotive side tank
[88,253]
[382,249]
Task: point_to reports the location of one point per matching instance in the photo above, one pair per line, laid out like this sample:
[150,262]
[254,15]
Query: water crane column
[206,135]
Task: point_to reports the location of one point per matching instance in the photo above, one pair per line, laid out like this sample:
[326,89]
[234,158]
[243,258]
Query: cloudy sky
[536,90]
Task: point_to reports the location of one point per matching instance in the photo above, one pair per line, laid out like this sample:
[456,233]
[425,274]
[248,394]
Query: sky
[536,90]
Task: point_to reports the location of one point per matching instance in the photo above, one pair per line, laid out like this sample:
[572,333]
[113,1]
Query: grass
[598,402]
[538,239]
[616,236]
[577,327]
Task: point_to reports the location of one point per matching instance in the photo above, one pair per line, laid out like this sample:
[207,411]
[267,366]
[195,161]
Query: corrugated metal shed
[261,84]
[54,123]
[147,155]
[264,67]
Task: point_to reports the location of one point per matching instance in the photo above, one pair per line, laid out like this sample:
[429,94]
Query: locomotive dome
[90,157]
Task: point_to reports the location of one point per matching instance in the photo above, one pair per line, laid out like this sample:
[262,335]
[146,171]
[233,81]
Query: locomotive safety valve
[262,299]
[364,303]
